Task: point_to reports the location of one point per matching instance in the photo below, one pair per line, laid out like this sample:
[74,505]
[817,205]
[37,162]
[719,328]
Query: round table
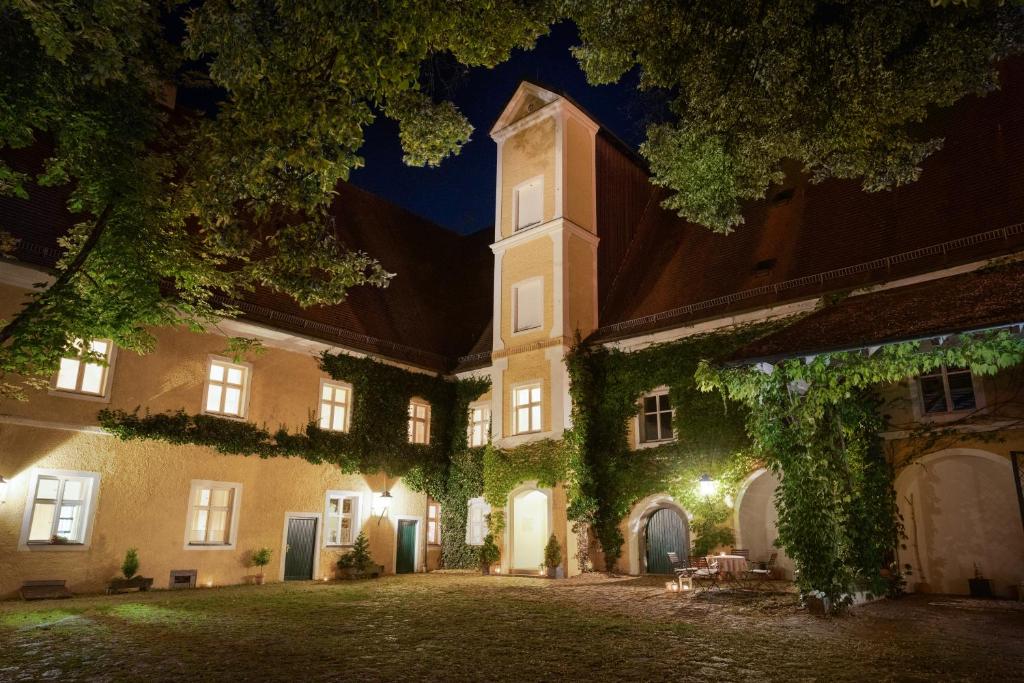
[735,565]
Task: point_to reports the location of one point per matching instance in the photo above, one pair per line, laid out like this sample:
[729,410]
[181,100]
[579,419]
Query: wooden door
[666,532]
[300,549]
[405,561]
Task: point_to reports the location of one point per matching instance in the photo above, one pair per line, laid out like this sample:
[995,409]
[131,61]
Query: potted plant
[357,562]
[552,557]
[980,586]
[488,554]
[260,558]
[129,571]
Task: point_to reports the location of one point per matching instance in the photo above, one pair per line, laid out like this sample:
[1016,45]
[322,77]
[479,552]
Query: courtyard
[461,626]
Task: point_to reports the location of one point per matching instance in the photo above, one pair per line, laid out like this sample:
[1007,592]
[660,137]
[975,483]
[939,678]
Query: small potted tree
[260,559]
[357,563]
[552,557]
[488,554]
[129,578]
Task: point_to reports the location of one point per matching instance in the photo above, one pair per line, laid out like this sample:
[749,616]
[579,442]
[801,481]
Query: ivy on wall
[817,425]
[543,461]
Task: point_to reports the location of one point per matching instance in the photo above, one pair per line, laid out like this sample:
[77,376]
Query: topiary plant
[358,558]
[552,556]
[261,558]
[130,566]
[488,554]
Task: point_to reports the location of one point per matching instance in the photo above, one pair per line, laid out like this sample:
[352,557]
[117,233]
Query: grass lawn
[461,627]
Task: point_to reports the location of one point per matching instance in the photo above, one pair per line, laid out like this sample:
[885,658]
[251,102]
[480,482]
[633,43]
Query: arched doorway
[530,512]
[666,531]
[960,509]
[757,520]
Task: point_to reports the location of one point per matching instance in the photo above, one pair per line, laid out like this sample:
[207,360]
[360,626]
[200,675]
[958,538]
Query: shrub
[359,557]
[552,553]
[489,553]
[130,566]
[261,558]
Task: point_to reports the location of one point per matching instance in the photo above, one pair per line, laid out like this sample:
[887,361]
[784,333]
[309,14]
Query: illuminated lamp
[707,485]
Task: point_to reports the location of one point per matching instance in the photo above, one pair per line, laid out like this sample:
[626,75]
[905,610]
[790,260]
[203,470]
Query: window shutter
[529,306]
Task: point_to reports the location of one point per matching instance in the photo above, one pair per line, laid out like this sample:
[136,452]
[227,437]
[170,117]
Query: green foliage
[130,565]
[359,557]
[816,425]
[840,87]
[488,553]
[552,553]
[543,461]
[260,557]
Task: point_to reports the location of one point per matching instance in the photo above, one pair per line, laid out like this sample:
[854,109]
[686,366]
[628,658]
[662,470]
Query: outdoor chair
[763,576]
[679,567]
[707,571]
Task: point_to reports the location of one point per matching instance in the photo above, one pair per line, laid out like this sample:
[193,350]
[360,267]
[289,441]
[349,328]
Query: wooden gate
[666,532]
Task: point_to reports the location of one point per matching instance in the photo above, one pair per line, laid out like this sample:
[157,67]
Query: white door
[529,530]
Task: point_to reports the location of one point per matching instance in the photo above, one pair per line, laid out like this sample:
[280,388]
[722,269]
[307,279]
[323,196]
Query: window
[526,407]
[433,523]
[479,425]
[419,422]
[476,521]
[59,510]
[335,400]
[343,522]
[528,305]
[655,417]
[227,388]
[529,203]
[78,375]
[212,513]
[947,390]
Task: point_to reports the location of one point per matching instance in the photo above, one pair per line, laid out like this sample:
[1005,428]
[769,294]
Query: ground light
[3,490]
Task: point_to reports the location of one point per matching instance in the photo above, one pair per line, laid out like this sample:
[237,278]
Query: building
[580,247]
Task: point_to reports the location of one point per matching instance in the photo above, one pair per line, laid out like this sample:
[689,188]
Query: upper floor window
[342,517]
[81,374]
[479,425]
[655,417]
[59,510]
[528,305]
[947,390]
[526,408]
[227,388]
[419,421]
[529,203]
[212,513]
[335,406]
[433,523]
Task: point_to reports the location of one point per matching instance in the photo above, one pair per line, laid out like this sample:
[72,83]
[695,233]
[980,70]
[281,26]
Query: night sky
[460,193]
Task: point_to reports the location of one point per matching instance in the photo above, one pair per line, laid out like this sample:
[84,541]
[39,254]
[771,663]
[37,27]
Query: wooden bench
[44,590]
[141,583]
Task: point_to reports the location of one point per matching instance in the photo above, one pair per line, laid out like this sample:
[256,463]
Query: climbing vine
[816,424]
[544,461]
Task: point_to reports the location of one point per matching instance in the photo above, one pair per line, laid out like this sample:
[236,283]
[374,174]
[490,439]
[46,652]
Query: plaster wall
[532,259]
[579,175]
[525,155]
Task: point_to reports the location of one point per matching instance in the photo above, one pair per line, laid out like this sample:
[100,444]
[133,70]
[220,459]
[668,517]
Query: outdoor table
[733,565]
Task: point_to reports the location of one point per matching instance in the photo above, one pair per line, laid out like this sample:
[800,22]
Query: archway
[666,531]
[757,520]
[636,530]
[529,528]
[960,510]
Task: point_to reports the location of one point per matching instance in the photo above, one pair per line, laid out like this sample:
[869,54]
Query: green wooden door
[405,562]
[665,533]
[298,556]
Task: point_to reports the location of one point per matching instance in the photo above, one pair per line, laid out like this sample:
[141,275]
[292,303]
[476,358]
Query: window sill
[225,416]
[209,546]
[80,396]
[50,543]
[44,546]
[653,444]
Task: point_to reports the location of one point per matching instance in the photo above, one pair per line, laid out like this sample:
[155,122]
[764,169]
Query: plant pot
[922,587]
[485,569]
[552,572]
[258,579]
[980,588]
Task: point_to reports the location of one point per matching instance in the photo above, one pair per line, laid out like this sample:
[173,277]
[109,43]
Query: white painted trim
[421,536]
[59,426]
[559,310]
[740,493]
[416,400]
[246,386]
[357,517]
[484,405]
[498,193]
[560,160]
[497,341]
[498,398]
[327,381]
[531,485]
[502,128]
[485,508]
[539,179]
[531,383]
[288,516]
[513,440]
[637,519]
[108,381]
[236,510]
[91,503]
[914,385]
[638,443]
[560,404]
[555,225]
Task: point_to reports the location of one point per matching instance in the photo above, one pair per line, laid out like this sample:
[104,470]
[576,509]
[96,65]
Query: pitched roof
[658,271]
[981,299]
[434,310]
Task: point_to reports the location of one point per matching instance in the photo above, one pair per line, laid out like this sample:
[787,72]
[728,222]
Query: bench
[44,590]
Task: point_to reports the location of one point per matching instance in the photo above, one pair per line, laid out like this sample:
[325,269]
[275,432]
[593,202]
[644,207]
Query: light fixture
[3,490]
[382,504]
[707,485]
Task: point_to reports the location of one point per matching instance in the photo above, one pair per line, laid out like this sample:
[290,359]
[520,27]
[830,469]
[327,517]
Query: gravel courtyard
[455,626]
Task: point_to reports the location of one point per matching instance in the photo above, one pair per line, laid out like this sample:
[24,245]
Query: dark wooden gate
[665,533]
[405,561]
[298,558]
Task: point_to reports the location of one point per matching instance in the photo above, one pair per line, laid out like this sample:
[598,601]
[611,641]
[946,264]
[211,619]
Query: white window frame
[917,398]
[516,191]
[334,405]
[413,420]
[236,506]
[243,401]
[357,516]
[108,371]
[433,504]
[485,424]
[484,507]
[638,422]
[539,282]
[535,429]
[91,481]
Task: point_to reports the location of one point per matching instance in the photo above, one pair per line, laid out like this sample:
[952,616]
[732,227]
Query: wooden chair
[707,571]
[763,576]
[679,566]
